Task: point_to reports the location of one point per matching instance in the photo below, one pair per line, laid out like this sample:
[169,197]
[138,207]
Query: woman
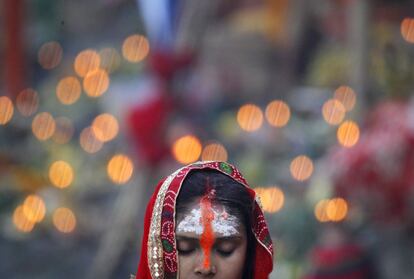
[203,221]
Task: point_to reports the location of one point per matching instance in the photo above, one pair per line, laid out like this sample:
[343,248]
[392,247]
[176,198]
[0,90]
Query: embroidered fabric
[159,252]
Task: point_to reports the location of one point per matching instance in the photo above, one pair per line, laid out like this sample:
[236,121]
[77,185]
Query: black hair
[229,193]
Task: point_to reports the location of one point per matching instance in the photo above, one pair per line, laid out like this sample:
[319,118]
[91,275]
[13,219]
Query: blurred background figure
[337,256]
[312,100]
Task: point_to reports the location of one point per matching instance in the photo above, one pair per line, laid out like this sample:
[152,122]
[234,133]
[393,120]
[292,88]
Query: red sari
[159,253]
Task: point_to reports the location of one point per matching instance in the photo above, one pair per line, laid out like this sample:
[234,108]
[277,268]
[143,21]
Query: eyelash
[185,252]
[225,253]
[221,252]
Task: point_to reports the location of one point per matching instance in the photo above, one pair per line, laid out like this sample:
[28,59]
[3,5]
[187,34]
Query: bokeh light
[68,90]
[27,102]
[34,208]
[96,83]
[61,174]
[259,192]
[89,142]
[333,111]
[337,209]
[407,29]
[301,168]
[187,149]
[250,117]
[320,211]
[346,95]
[110,59]
[120,168]
[135,48]
[86,61]
[43,126]
[348,133]
[105,126]
[214,152]
[64,220]
[21,222]
[50,55]
[6,110]
[277,113]
[64,130]
[272,198]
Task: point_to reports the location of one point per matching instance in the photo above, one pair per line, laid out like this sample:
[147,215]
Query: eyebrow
[223,238]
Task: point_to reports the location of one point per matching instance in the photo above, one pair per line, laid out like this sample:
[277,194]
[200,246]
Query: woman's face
[211,242]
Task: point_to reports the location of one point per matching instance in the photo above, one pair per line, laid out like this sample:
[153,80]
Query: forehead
[195,205]
[225,224]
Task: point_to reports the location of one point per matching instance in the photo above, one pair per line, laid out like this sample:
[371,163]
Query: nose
[204,270]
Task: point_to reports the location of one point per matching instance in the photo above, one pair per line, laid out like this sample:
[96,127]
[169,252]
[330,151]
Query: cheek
[186,266]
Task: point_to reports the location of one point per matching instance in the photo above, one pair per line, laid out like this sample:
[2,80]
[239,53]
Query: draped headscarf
[159,257]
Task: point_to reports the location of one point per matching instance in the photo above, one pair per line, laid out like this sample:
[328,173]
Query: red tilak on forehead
[207,217]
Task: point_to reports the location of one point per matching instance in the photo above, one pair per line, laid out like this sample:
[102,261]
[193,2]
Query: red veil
[159,255]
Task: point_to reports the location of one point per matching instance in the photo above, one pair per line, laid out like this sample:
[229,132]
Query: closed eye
[185,252]
[186,246]
[225,253]
[226,246]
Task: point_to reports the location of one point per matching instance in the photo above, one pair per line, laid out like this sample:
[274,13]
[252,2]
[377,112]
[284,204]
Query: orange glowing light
[27,102]
[6,110]
[135,48]
[277,113]
[43,126]
[272,198]
[68,90]
[214,152]
[320,211]
[301,168]
[346,96]
[337,209]
[187,149]
[89,142]
[120,169]
[64,220]
[407,29]
[21,222]
[34,208]
[250,117]
[61,174]
[259,191]
[86,61]
[50,55]
[64,130]
[333,111]
[105,127]
[96,83]
[110,59]
[348,133]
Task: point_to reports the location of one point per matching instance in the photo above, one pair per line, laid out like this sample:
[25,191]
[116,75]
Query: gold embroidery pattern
[259,202]
[155,251]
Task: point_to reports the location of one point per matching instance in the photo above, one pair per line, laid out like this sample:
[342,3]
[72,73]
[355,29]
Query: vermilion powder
[207,237]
